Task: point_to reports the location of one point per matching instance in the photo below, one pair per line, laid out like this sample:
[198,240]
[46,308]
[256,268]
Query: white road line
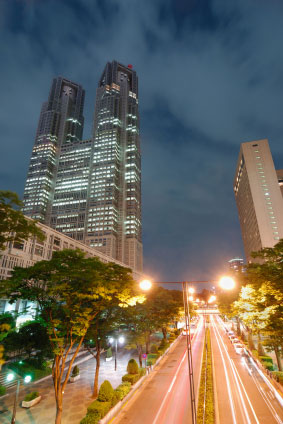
[227,380]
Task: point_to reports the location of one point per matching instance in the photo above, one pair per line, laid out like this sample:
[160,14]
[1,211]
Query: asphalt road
[164,398]
[243,394]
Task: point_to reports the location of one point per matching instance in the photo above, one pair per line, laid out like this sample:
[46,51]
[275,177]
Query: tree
[71,291]
[7,325]
[14,226]
[260,302]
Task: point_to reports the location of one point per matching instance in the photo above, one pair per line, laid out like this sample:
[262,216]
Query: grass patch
[206,392]
[27,369]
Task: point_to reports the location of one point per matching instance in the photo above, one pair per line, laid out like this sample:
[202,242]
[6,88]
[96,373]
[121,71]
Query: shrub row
[267,362]
[133,378]
[208,391]
[278,375]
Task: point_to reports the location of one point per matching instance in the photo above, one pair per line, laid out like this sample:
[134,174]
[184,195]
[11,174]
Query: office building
[279,173]
[236,265]
[114,201]
[258,197]
[60,122]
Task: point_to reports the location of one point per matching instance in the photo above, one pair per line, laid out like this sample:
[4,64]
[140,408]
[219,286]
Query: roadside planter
[35,398]
[109,355]
[75,374]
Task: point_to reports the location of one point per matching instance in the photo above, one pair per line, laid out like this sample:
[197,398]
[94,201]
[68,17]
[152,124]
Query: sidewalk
[77,395]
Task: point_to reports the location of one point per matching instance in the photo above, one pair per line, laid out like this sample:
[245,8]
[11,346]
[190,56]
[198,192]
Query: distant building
[258,197]
[279,173]
[236,264]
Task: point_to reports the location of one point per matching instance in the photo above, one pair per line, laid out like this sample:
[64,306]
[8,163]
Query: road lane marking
[174,379]
[239,380]
[227,380]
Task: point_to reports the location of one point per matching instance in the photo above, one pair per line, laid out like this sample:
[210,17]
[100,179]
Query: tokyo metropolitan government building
[90,190]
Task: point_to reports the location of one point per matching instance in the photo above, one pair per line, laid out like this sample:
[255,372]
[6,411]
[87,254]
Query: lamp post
[226,283]
[11,377]
[115,340]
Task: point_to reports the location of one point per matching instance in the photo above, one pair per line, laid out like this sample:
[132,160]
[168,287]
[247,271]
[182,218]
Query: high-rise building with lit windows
[258,197]
[113,223]
[60,123]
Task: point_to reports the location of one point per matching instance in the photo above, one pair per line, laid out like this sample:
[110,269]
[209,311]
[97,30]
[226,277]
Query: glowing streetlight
[27,379]
[227,283]
[121,340]
[191,298]
[10,377]
[145,285]
[191,290]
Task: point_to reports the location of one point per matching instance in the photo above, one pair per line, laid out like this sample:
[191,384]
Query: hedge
[142,372]
[209,392]
[278,375]
[268,365]
[131,378]
[2,390]
[106,392]
[31,396]
[123,389]
[99,408]
[266,359]
[92,418]
[132,367]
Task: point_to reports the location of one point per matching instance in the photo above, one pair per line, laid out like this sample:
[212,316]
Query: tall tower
[114,202]
[61,122]
[258,197]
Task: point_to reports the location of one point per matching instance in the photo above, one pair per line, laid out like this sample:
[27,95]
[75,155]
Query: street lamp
[10,377]
[116,340]
[212,299]
[227,283]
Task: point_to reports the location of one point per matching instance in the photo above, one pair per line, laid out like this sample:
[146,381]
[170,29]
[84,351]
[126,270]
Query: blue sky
[210,77]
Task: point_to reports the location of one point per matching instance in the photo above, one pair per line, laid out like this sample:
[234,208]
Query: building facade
[61,122]
[90,190]
[236,265]
[28,252]
[258,197]
[114,201]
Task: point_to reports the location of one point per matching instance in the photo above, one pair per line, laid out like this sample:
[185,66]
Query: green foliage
[131,378]
[109,353]
[123,389]
[26,369]
[115,398]
[91,418]
[2,390]
[99,408]
[266,359]
[132,367]
[153,348]
[105,392]
[142,372]
[255,353]
[268,365]
[14,226]
[31,396]
[76,371]
[278,375]
[206,391]
[152,358]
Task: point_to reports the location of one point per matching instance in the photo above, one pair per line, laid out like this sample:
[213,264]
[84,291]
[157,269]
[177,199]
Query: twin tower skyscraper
[90,190]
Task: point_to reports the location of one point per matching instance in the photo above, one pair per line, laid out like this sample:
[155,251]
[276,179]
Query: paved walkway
[77,395]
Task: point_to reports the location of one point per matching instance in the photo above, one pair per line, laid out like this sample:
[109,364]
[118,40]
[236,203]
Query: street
[243,396]
[165,397]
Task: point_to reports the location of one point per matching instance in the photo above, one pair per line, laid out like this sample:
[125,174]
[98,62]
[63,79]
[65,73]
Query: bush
[255,353]
[2,390]
[132,367]
[131,378]
[268,365]
[26,369]
[109,353]
[115,398]
[153,348]
[142,372]
[31,396]
[266,359]
[106,392]
[92,418]
[99,408]
[278,375]
[123,389]
[75,371]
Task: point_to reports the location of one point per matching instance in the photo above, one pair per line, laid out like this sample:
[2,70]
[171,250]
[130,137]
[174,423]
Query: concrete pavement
[77,395]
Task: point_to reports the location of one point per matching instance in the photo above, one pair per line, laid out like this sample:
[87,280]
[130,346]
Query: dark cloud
[210,78]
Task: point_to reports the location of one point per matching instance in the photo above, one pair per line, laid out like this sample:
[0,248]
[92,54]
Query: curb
[217,419]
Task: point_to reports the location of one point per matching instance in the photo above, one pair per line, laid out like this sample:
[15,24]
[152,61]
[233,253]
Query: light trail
[175,377]
[238,380]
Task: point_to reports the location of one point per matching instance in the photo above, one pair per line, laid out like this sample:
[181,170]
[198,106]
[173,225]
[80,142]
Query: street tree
[70,290]
[14,226]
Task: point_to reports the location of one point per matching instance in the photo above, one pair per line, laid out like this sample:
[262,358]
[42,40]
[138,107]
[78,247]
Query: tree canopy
[14,226]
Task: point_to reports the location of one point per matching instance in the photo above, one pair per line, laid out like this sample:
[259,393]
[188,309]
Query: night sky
[210,77]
